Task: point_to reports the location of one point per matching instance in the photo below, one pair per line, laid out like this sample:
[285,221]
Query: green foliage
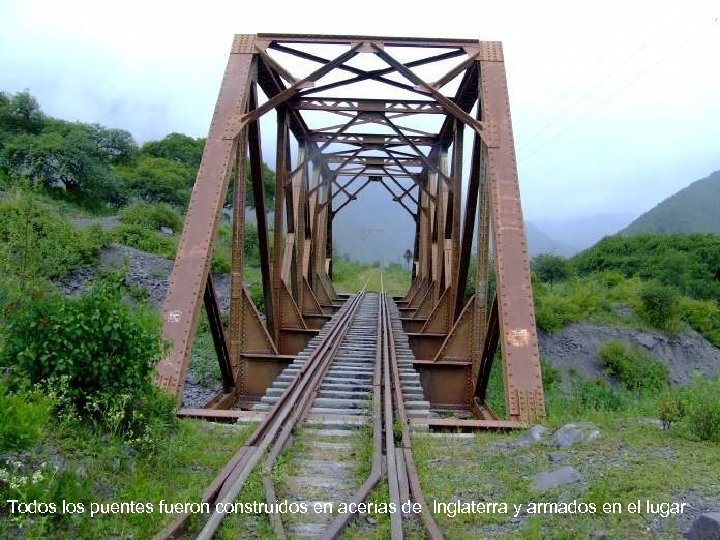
[251,247]
[695,409]
[91,346]
[152,216]
[20,113]
[158,179]
[351,276]
[634,368]
[268,179]
[220,262]
[140,237]
[566,302]
[596,395]
[703,316]
[685,261]
[551,268]
[37,243]
[659,305]
[176,147]
[24,418]
[66,159]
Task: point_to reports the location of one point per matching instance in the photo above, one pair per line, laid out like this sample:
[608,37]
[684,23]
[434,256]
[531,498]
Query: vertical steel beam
[190,271]
[280,179]
[518,335]
[238,256]
[258,184]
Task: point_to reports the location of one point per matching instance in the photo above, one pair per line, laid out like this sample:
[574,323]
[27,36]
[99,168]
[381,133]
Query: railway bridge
[426,119]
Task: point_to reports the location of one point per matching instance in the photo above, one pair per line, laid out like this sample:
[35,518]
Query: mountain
[584,231]
[539,242]
[693,209]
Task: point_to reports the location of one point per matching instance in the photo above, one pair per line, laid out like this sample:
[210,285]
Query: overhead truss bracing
[350,112]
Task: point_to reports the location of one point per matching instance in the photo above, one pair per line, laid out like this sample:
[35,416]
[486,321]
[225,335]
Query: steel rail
[405,465]
[280,415]
[238,468]
[299,414]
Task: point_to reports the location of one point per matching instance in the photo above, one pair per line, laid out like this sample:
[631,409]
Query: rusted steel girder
[371,138]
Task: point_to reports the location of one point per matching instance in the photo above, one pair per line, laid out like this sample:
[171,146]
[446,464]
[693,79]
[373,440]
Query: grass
[100,469]
[630,461]
[350,277]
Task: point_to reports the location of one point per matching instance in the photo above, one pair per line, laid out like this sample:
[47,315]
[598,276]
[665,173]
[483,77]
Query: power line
[608,75]
[610,97]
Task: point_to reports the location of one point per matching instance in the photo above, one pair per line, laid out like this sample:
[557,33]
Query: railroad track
[354,381]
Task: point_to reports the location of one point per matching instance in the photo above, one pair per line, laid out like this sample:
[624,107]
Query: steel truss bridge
[440,143]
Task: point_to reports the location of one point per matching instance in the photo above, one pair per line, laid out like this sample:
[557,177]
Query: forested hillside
[693,209]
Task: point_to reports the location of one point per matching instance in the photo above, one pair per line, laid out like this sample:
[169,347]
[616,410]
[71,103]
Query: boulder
[571,434]
[550,479]
[531,435]
[705,527]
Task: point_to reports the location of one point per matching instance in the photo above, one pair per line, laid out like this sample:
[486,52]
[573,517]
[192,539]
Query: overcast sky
[615,104]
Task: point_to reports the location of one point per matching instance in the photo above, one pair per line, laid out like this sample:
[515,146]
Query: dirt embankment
[576,347]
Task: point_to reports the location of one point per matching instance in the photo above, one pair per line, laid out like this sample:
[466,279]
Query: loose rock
[531,435]
[550,479]
[571,434]
[705,527]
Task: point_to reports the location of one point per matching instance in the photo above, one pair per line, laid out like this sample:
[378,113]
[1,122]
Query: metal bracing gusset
[189,276]
[351,197]
[405,192]
[299,189]
[398,106]
[448,104]
[418,179]
[292,90]
[398,199]
[453,230]
[425,159]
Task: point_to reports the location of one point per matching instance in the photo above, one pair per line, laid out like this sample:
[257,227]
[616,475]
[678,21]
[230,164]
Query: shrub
[220,262]
[140,237]
[36,242]
[95,344]
[633,368]
[703,316]
[575,300]
[659,305]
[152,216]
[551,268]
[24,417]
[695,409]
[596,395]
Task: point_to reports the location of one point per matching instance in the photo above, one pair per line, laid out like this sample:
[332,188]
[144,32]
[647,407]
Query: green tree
[62,156]
[21,113]
[551,268]
[117,144]
[156,179]
[176,147]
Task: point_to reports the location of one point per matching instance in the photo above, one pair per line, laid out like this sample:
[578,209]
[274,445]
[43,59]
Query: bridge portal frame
[454,335]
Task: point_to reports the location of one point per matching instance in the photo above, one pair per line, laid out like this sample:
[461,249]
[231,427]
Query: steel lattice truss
[412,143]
